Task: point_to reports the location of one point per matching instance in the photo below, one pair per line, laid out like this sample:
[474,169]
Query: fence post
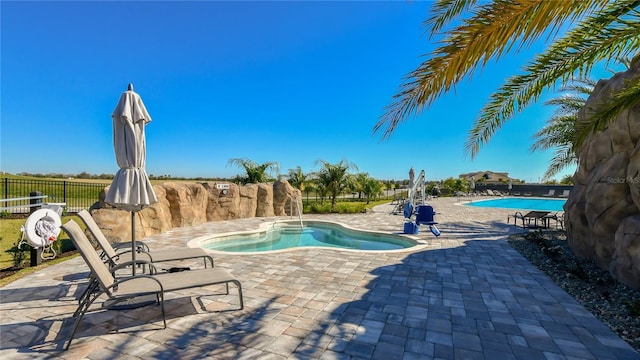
[35,260]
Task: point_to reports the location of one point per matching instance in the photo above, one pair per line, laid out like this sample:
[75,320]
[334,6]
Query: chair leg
[85,306]
[91,288]
[239,293]
[161,301]
[86,291]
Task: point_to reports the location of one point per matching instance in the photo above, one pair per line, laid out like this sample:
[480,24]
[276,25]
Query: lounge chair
[127,288]
[120,258]
[490,192]
[124,255]
[565,194]
[550,193]
[528,218]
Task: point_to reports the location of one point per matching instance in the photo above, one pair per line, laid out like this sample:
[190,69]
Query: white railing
[22,200]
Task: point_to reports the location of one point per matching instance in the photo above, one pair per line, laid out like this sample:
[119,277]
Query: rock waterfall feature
[603,209]
[188,204]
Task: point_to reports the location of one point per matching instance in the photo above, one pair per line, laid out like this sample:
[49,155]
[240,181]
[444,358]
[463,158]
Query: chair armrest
[140,245]
[120,266]
[114,286]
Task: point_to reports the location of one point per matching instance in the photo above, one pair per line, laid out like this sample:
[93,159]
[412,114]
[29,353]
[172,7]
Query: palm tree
[604,30]
[320,189]
[333,178]
[372,189]
[560,131]
[567,180]
[360,181]
[297,178]
[256,173]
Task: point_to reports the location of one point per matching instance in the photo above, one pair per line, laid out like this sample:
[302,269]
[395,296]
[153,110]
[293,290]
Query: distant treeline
[86,175]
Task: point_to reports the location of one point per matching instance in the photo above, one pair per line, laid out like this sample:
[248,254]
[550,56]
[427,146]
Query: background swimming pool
[522,203]
[280,238]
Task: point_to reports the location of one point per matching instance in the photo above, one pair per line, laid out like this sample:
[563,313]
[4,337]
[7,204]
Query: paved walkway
[464,295]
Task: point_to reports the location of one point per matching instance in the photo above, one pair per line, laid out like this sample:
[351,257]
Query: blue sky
[290,82]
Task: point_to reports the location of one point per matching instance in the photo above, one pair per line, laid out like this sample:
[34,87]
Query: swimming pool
[522,203]
[289,235]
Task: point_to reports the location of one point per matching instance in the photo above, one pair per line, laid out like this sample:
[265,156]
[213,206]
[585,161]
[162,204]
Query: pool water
[281,237]
[522,203]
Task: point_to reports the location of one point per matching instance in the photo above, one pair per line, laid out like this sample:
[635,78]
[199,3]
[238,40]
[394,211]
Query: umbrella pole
[133,242]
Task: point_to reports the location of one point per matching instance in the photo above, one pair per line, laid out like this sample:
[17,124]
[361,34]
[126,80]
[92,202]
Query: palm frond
[602,36]
[559,132]
[444,11]
[563,157]
[583,86]
[567,104]
[493,29]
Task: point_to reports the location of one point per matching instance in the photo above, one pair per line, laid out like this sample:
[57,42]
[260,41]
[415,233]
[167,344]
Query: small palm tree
[372,189]
[360,183]
[567,179]
[560,132]
[297,178]
[256,173]
[333,178]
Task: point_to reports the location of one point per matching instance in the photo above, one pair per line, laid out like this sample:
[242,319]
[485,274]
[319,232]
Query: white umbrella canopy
[131,189]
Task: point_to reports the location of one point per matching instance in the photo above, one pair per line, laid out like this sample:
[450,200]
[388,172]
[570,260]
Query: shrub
[341,208]
[18,254]
[346,208]
[317,208]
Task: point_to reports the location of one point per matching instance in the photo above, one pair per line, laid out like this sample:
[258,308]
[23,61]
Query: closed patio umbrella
[131,189]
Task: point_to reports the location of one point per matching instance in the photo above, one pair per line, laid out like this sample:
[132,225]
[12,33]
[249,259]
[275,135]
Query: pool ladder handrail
[295,199]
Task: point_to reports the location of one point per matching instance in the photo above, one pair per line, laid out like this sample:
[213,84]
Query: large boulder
[223,202]
[187,203]
[248,201]
[285,198]
[603,209]
[625,262]
[265,200]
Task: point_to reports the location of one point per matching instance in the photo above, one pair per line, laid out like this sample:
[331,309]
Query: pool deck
[464,295]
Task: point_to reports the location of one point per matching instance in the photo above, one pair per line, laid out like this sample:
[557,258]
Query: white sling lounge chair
[121,258]
[124,255]
[140,285]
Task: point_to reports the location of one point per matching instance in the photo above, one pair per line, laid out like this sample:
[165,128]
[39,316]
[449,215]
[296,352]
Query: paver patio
[464,295]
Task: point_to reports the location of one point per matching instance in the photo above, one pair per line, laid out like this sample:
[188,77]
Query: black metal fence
[75,195]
